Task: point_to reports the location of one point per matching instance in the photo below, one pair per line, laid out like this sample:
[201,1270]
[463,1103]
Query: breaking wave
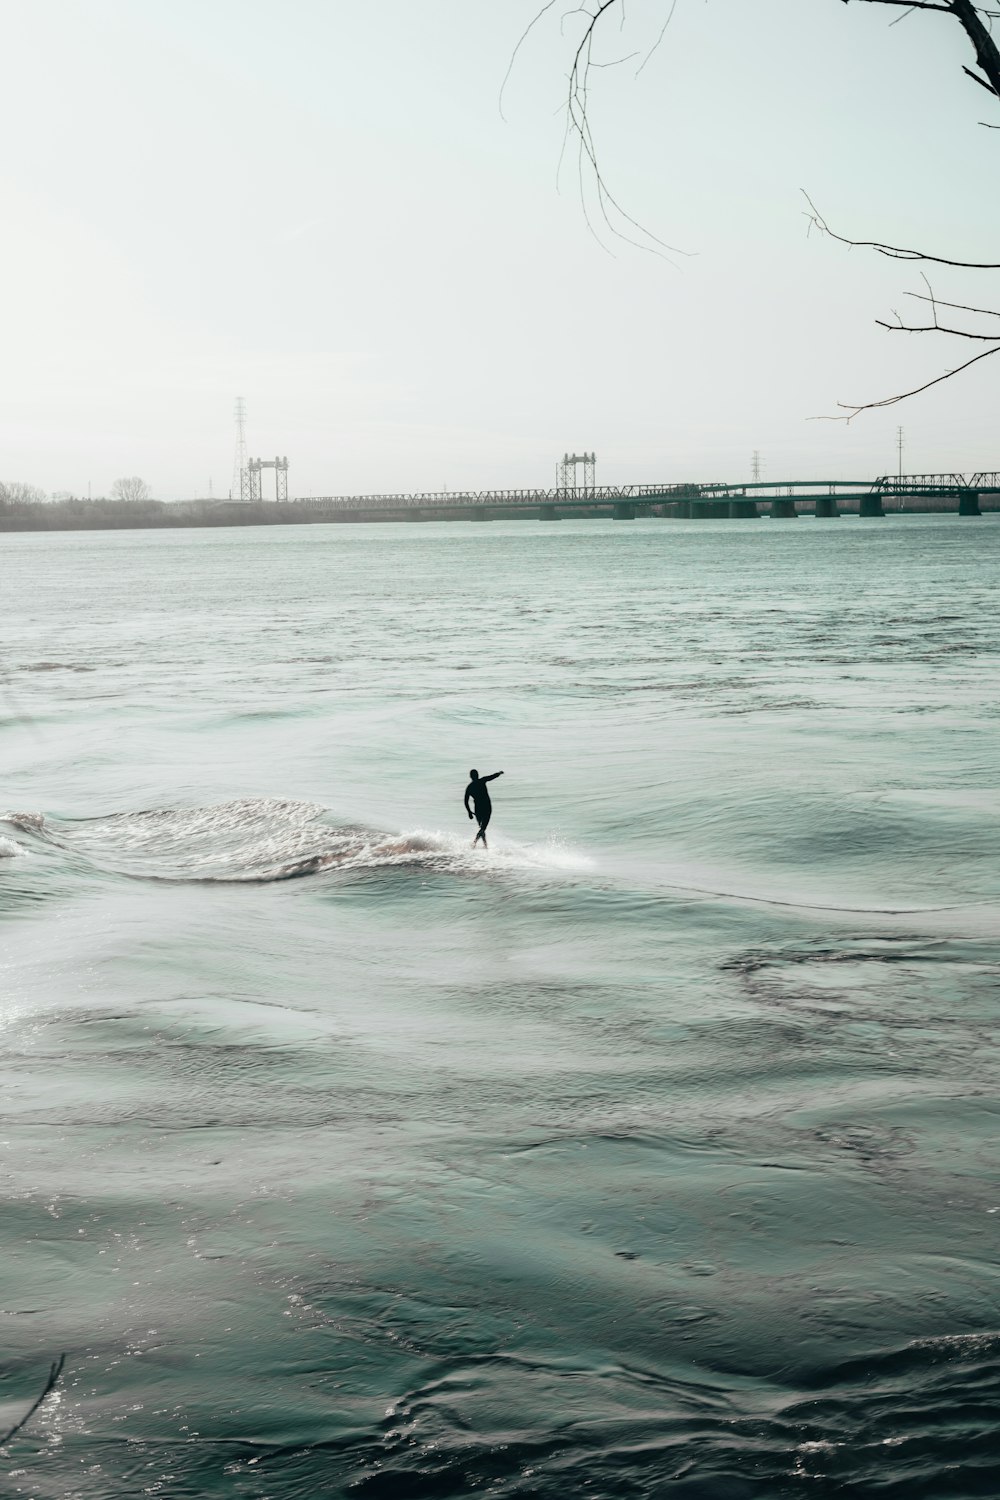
[257,840]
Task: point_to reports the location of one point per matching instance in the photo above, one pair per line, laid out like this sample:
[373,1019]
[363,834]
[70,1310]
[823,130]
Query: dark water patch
[514,1426]
[450,1362]
[903,982]
[264,715]
[54,666]
[621,1434]
[907,1006]
[760,704]
[30,879]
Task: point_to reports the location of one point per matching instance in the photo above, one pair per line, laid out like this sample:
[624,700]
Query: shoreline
[98,515]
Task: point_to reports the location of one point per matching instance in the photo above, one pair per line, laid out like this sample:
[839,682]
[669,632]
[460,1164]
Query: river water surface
[652,1153]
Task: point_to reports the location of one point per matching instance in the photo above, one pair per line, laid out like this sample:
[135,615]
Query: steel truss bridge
[716,500]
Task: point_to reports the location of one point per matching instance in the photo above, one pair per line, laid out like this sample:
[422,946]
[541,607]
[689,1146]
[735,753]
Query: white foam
[9,848]
[27,820]
[551,854]
[264,839]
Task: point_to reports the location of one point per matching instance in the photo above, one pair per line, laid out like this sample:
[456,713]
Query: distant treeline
[114,515]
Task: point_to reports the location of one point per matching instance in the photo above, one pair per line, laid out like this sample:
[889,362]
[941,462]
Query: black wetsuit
[481,802]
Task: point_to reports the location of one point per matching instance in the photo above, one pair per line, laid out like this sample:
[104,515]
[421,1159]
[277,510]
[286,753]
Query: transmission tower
[568,467]
[755,464]
[241,473]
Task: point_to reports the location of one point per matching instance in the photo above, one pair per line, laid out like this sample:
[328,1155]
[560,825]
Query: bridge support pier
[870,505]
[968,503]
[783,508]
[744,510]
[681,511]
[826,507]
[709,510]
[548,513]
[623,510]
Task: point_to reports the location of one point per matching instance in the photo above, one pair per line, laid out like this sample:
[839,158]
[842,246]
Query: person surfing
[476,790]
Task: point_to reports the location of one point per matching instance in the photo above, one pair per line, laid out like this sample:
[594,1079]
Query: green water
[653,1153]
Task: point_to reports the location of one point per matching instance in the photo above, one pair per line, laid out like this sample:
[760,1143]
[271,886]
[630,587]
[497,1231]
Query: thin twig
[520,43]
[938,327]
[986,312]
[616,62]
[659,39]
[54,1374]
[895,252]
[578,119]
[904,395]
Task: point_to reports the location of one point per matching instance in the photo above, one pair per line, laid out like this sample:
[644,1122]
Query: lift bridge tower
[568,471]
[280,467]
[247,471]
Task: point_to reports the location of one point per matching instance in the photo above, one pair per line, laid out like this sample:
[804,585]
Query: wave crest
[257,840]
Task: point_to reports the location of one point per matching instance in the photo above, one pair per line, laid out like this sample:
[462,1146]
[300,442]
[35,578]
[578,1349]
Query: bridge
[716,500]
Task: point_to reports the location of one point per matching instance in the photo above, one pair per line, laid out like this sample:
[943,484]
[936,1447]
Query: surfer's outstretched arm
[491,778]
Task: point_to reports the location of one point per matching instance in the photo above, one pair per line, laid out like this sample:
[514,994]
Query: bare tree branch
[659,39]
[894,252]
[520,43]
[578,123]
[981,81]
[937,326]
[969,17]
[974,19]
[855,410]
[957,333]
[910,4]
[985,312]
[54,1373]
[987,53]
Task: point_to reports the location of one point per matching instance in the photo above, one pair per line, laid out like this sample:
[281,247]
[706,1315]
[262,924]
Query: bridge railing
[920,484]
[591,495]
[768,489]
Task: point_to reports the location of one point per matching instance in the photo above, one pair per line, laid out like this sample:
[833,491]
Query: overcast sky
[317,205]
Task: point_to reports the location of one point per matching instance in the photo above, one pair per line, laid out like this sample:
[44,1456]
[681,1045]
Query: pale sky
[317,205]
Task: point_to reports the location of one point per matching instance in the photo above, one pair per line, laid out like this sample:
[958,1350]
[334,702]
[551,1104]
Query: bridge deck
[802,490]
